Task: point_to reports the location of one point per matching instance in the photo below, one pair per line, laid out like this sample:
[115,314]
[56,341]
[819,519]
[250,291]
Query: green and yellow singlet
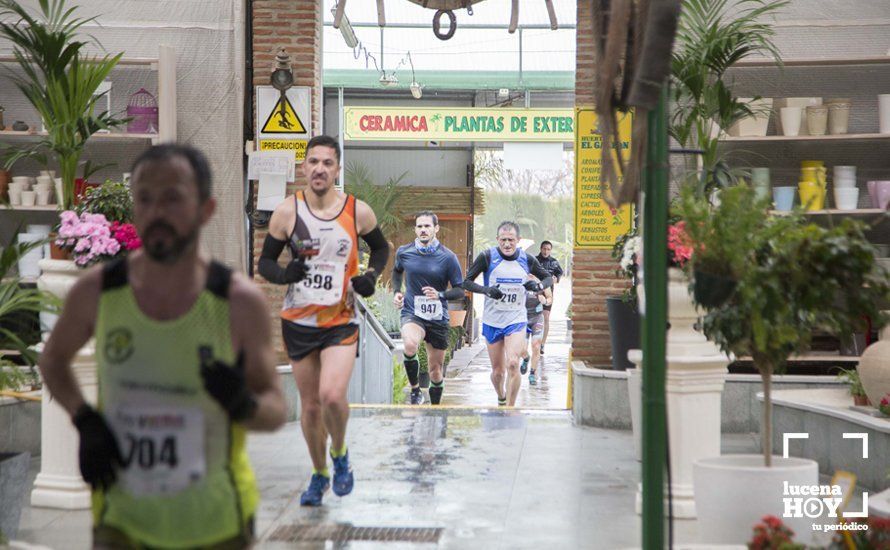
[187,481]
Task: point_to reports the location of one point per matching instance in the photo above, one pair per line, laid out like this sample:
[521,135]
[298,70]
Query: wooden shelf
[833,212]
[114,136]
[815,62]
[827,137]
[125,61]
[47,208]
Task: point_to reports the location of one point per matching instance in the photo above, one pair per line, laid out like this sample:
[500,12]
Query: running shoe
[343,479]
[318,485]
[523,368]
[416,396]
[532,379]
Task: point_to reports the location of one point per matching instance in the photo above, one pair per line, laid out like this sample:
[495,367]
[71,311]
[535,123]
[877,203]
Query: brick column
[593,271]
[295,25]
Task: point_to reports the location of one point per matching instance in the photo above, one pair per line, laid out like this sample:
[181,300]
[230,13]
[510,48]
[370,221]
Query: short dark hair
[196,159]
[429,213]
[325,141]
[512,225]
[544,243]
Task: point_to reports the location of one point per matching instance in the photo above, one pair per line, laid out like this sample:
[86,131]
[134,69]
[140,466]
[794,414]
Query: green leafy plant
[381,198]
[59,79]
[791,278]
[851,378]
[382,306]
[112,199]
[399,382]
[712,35]
[18,303]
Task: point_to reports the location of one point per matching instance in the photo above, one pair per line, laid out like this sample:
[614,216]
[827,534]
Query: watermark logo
[825,501]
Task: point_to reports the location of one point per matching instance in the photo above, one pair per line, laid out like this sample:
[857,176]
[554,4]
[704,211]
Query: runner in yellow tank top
[185,366]
[321,226]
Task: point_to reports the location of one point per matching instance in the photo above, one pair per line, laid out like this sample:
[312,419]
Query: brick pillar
[295,25]
[593,271]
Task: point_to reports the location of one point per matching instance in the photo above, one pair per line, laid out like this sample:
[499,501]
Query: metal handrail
[373,322]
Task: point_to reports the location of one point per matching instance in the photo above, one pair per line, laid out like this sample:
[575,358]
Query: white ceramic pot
[29,198]
[59,190]
[844,172]
[15,197]
[802,102]
[24,181]
[49,173]
[838,118]
[884,113]
[57,277]
[817,120]
[733,493]
[844,182]
[27,263]
[791,119]
[846,198]
[44,180]
[756,125]
[635,394]
[874,368]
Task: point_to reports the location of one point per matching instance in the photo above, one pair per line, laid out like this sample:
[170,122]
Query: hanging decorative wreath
[437,24]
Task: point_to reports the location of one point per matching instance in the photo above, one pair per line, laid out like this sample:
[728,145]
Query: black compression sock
[412,368]
[436,389]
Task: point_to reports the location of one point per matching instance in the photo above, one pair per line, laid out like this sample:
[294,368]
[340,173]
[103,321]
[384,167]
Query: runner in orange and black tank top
[330,247]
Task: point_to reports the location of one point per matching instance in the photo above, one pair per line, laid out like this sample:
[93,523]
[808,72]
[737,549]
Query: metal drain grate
[345,532]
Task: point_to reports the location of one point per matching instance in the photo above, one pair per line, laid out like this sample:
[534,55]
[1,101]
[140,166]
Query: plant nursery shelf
[815,62]
[860,212]
[98,137]
[827,137]
[47,208]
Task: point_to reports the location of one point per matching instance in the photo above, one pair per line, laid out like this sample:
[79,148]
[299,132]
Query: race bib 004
[428,308]
[162,447]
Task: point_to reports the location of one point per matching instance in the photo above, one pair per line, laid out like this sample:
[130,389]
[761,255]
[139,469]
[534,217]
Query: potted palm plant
[791,278]
[712,35]
[60,79]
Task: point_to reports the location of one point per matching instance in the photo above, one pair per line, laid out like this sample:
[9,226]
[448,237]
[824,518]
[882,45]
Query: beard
[164,245]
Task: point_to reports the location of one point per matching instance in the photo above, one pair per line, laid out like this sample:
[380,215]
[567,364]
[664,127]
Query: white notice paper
[271,190]
[273,162]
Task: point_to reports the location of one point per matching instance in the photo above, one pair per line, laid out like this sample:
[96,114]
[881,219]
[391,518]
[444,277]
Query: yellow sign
[597,225]
[297,145]
[283,120]
[457,124]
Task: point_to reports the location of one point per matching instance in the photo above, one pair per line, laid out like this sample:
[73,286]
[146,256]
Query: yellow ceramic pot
[812,163]
[812,195]
[814,174]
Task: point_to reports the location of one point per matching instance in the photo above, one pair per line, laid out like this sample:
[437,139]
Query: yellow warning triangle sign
[283,120]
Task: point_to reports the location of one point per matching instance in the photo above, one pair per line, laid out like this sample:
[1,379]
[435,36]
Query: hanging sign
[597,225]
[283,123]
[457,124]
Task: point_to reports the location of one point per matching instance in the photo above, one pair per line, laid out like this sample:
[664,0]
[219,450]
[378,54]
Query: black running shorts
[300,341]
[436,333]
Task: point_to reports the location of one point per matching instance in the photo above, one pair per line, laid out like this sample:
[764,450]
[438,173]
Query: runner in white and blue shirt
[504,319]
[428,267]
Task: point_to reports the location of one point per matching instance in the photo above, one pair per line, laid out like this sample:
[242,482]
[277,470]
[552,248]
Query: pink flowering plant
[92,238]
[884,405]
[679,245]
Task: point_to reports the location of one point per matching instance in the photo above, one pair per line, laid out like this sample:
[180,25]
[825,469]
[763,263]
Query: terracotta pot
[456,318]
[57,252]
[4,185]
[861,401]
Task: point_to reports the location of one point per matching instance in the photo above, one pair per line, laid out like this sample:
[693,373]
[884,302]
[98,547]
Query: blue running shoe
[318,485]
[523,368]
[343,479]
[532,379]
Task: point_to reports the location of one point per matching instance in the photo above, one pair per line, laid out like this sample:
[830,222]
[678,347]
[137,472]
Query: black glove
[99,454]
[296,270]
[364,284]
[532,286]
[226,384]
[494,292]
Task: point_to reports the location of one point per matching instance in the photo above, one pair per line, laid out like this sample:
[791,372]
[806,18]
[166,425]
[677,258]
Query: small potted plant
[624,316]
[884,405]
[92,238]
[772,534]
[851,377]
